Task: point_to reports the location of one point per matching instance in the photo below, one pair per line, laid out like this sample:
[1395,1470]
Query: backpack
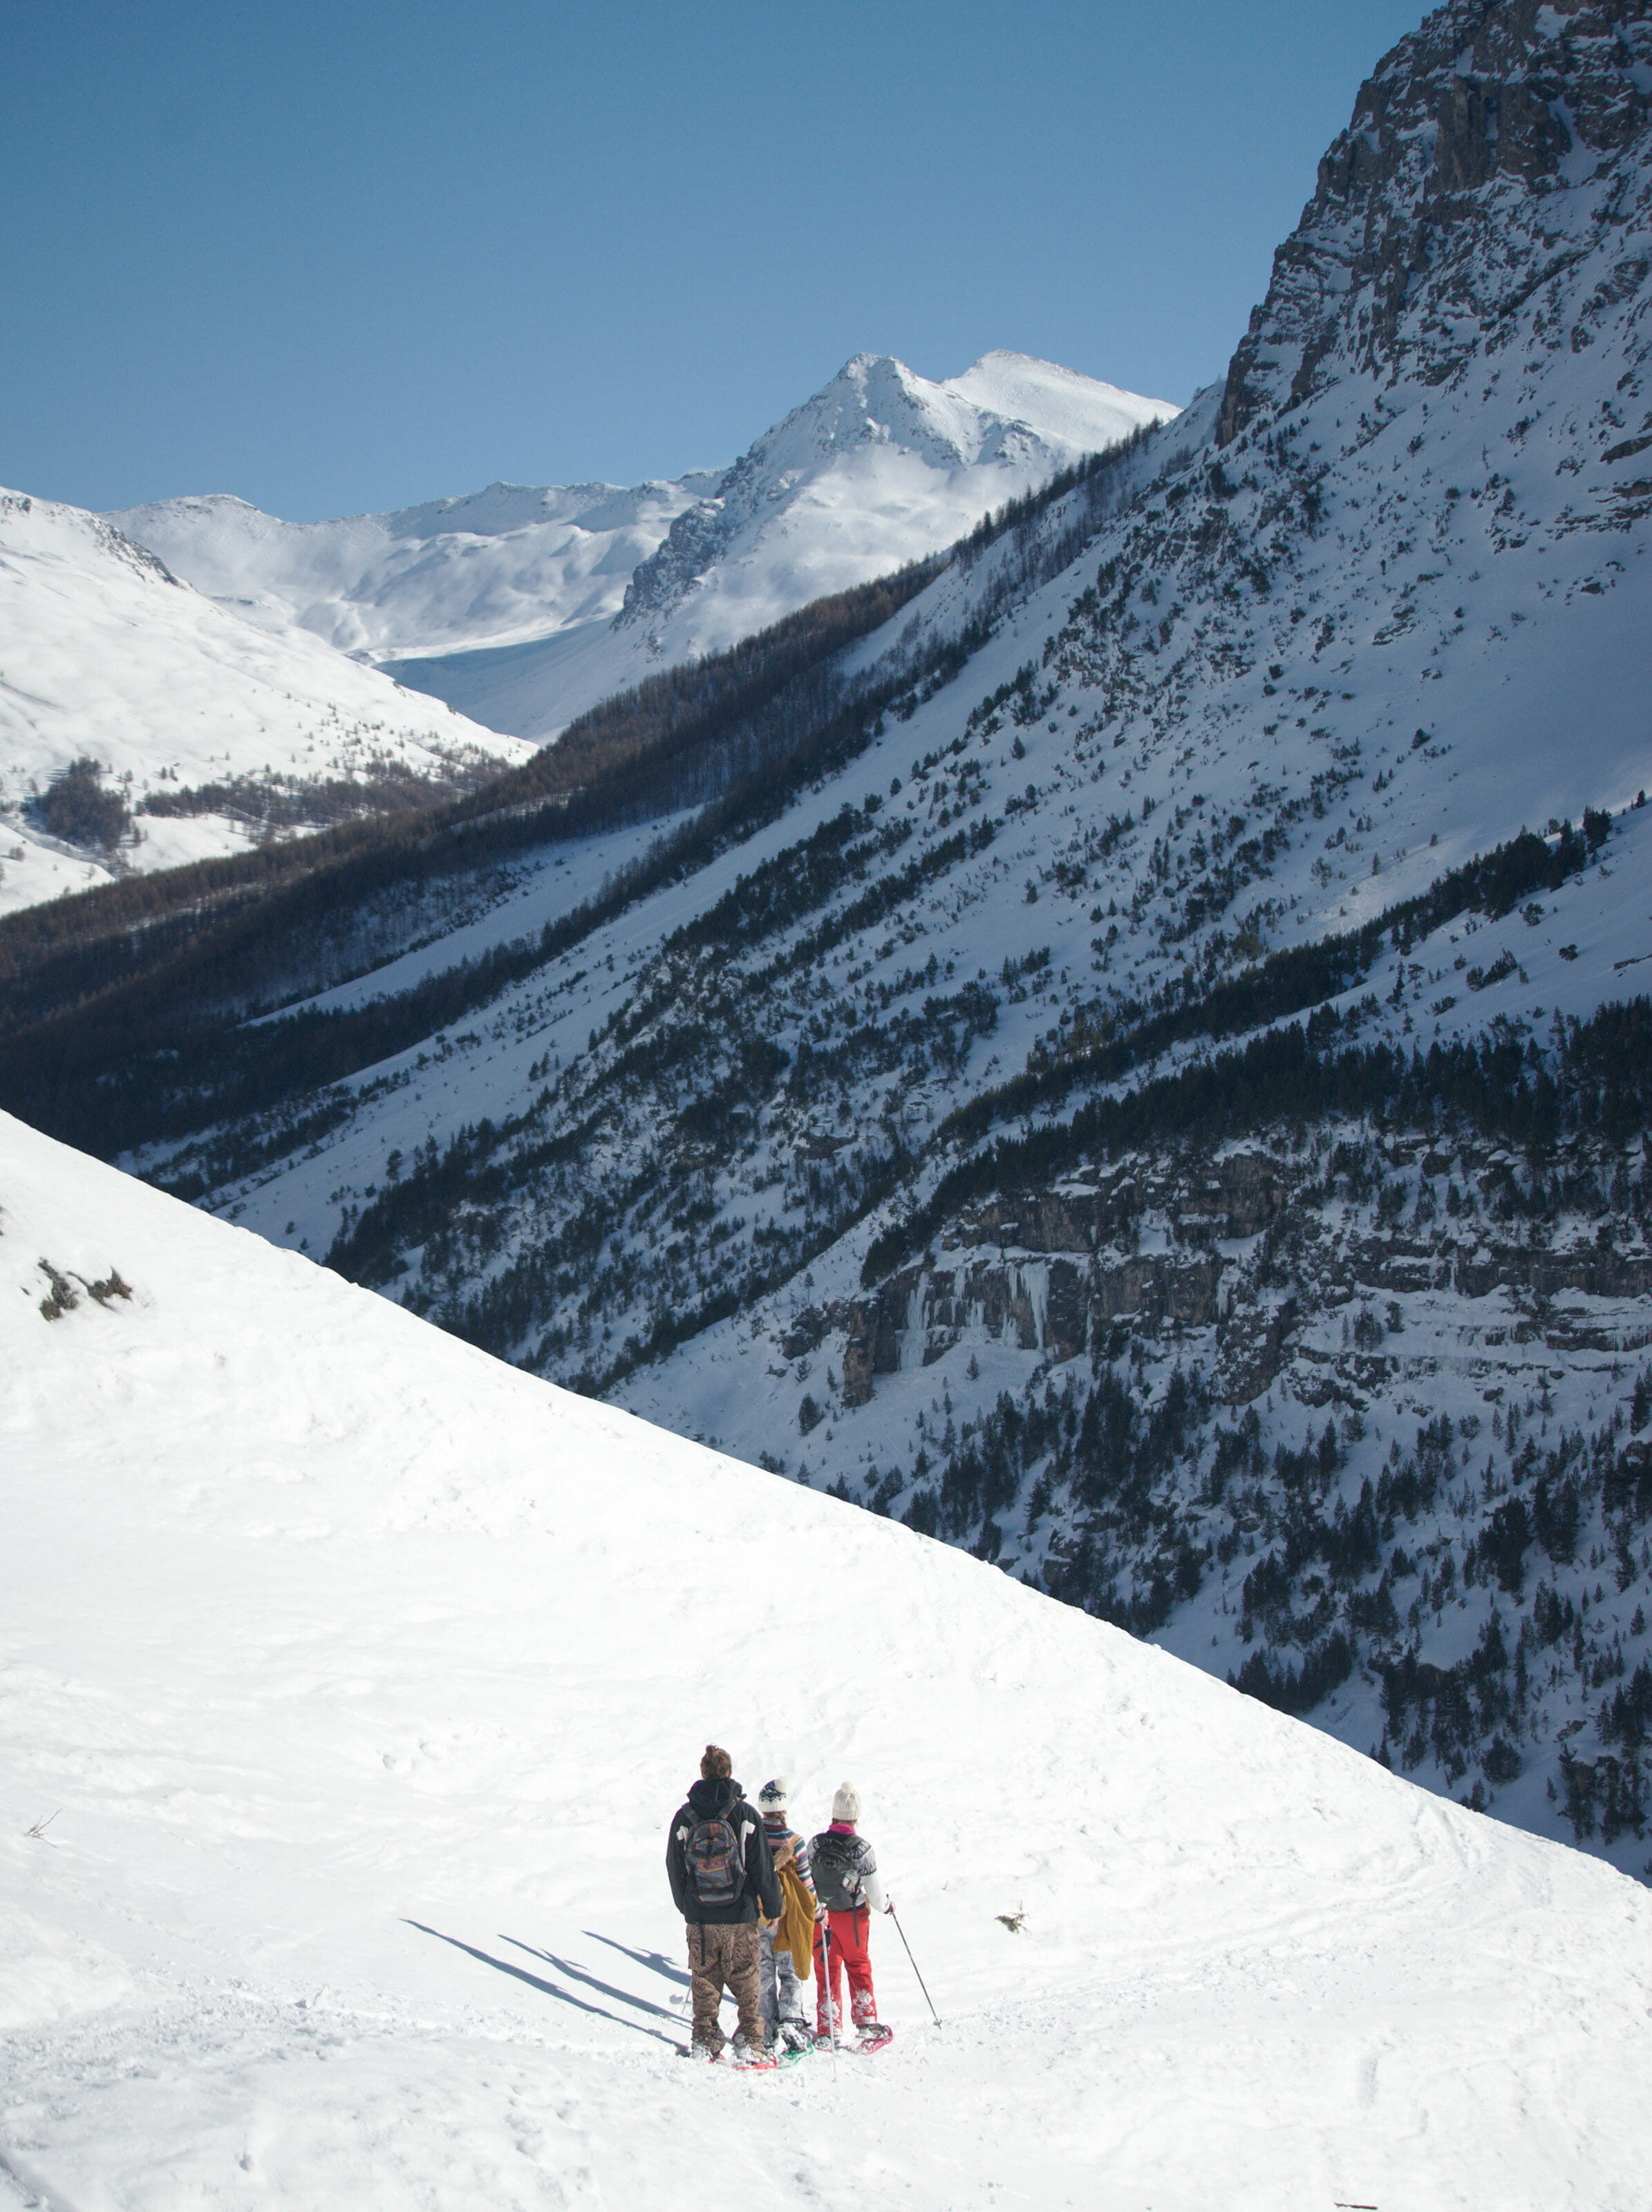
[715,1863]
[834,1862]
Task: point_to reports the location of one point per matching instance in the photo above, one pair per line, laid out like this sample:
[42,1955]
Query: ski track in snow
[367,1671]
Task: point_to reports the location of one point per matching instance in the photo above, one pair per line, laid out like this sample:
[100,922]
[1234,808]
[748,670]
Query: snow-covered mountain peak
[38,528]
[875,400]
[961,422]
[1083,411]
[877,466]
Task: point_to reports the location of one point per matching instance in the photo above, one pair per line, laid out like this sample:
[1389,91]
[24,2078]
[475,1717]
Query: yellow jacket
[795,1931]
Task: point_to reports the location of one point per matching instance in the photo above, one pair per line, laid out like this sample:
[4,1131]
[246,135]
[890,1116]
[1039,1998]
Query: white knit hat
[846,1802]
[775,1796]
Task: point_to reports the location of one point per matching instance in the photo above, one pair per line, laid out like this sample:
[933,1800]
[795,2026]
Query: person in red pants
[845,1868]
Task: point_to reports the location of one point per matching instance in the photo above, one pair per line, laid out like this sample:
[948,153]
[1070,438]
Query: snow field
[367,1671]
[103,652]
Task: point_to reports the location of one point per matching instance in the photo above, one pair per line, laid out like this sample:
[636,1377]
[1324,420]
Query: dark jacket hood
[709,1798]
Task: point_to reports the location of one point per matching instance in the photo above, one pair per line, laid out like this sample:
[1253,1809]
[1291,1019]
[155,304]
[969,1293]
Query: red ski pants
[851,1949]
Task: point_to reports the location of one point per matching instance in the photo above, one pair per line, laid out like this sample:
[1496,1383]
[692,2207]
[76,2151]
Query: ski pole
[907,1948]
[826,1986]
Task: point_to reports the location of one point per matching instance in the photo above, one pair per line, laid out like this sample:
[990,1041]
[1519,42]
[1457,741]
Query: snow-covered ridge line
[206,738]
[523,607]
[735,719]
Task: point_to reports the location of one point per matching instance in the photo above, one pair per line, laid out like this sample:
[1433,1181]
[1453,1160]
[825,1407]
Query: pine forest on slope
[1133,1064]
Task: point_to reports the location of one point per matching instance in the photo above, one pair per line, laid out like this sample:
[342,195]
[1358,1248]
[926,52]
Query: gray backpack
[835,1863]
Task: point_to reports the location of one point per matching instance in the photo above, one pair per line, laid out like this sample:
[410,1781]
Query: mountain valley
[522,607]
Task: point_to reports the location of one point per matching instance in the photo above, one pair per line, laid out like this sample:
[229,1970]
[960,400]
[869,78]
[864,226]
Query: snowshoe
[873,2037]
[749,2061]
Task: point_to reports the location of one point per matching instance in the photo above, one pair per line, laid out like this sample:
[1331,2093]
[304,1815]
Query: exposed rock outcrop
[1406,232]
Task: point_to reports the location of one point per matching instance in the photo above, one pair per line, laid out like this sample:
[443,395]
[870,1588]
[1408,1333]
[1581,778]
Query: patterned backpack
[715,1863]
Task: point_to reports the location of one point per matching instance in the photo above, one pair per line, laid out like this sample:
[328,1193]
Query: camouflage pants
[716,1955]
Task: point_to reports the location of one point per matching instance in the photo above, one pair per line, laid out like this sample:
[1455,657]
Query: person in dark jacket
[722,1879]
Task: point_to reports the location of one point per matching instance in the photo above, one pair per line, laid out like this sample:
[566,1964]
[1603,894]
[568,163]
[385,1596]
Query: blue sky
[346,257]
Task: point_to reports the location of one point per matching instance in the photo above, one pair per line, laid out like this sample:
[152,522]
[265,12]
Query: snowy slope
[523,607]
[350,1677]
[103,652]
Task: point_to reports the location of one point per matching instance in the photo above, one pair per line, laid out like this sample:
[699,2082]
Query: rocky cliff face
[1079,1270]
[1435,219]
[1241,1249]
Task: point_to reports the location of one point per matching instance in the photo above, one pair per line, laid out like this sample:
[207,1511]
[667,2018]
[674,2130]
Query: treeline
[76,808]
[1300,977]
[1502,1088]
[1092,472]
[647,751]
[271,803]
